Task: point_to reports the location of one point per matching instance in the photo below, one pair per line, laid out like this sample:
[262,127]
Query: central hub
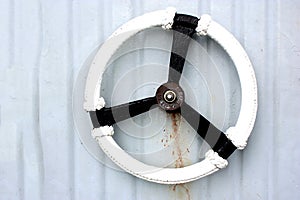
[169,97]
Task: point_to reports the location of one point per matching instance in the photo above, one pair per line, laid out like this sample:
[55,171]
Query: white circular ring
[238,134]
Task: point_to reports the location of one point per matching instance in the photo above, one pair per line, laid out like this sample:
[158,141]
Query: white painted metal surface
[43,45]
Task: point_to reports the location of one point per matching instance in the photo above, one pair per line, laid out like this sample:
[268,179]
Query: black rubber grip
[112,115]
[184,27]
[212,135]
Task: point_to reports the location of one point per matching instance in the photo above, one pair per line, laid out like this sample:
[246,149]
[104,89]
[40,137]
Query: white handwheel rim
[238,134]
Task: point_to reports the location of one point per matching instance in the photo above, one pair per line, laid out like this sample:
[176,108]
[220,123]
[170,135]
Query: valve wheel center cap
[170,97]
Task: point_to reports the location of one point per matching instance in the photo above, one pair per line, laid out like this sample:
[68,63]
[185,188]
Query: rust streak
[179,189]
[176,119]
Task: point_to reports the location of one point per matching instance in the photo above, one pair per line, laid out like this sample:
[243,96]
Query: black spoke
[184,27]
[212,135]
[112,115]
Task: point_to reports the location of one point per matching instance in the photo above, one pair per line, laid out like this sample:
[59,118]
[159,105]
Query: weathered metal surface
[43,46]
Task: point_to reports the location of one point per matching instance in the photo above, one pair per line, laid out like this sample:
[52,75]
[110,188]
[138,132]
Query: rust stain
[180,190]
[176,120]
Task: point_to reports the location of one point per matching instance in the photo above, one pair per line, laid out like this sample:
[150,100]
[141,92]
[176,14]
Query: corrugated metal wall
[42,47]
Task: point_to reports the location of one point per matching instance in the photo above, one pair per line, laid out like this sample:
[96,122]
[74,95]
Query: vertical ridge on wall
[88,172]
[55,105]
[254,43]
[271,12]
[11,31]
[286,124]
[36,106]
[273,180]
[20,164]
[14,68]
[69,92]
[6,18]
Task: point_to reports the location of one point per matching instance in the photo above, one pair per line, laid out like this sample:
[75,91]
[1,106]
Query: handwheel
[170,97]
